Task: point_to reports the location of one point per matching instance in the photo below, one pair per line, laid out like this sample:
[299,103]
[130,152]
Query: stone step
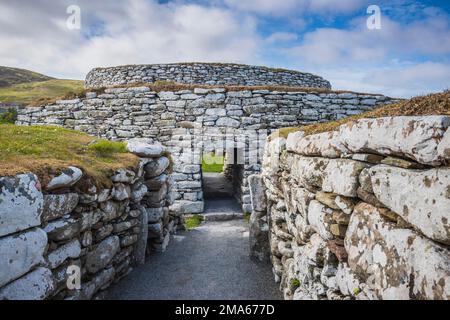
[222,216]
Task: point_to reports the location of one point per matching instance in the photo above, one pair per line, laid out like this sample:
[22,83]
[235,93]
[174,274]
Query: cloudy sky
[409,55]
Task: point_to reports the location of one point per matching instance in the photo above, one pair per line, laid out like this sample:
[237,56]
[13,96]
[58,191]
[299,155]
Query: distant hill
[12,76]
[19,86]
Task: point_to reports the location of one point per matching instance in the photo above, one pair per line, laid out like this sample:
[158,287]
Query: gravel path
[208,263]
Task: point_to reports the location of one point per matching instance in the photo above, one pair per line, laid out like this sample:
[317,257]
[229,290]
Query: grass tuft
[106,148]
[192,222]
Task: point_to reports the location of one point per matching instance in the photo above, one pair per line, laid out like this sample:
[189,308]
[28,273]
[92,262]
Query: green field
[212,163]
[26,93]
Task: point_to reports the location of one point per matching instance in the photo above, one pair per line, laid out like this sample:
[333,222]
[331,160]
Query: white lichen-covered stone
[320,219]
[422,198]
[20,253]
[444,146]
[341,176]
[395,263]
[309,171]
[414,137]
[66,179]
[37,285]
[292,139]
[145,148]
[326,144]
[21,203]
[66,251]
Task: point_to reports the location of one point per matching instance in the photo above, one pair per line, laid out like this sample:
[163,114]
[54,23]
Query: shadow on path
[210,262]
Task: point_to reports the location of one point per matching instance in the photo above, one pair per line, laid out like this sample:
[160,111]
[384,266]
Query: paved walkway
[210,262]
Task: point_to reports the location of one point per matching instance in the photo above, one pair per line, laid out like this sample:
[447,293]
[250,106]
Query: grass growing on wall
[46,150]
[432,104]
[212,163]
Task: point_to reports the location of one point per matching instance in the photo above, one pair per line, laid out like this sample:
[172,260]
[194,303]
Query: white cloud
[281,37]
[391,78]
[137,31]
[332,46]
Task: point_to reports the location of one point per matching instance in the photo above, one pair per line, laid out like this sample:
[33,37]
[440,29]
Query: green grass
[27,93]
[192,222]
[106,148]
[44,150]
[10,116]
[212,163]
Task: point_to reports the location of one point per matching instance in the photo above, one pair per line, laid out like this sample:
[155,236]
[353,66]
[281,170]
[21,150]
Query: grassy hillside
[432,104]
[25,93]
[13,76]
[44,150]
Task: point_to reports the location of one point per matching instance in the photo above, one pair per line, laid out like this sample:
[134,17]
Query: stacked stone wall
[204,74]
[71,239]
[362,212]
[194,121]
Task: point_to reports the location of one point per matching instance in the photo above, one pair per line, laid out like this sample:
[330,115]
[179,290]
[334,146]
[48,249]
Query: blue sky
[408,56]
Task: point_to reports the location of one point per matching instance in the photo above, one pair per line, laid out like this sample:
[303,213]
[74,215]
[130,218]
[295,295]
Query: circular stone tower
[214,74]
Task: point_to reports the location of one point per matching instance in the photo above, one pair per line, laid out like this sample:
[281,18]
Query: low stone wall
[359,213]
[70,231]
[191,122]
[202,73]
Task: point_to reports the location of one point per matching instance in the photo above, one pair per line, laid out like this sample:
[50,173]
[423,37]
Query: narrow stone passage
[210,262]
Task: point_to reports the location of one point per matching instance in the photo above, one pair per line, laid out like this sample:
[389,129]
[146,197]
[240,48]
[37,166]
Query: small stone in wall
[121,192]
[66,179]
[56,206]
[156,167]
[100,257]
[145,148]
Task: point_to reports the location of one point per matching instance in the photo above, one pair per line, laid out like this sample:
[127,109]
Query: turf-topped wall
[72,236]
[362,212]
[204,74]
[190,121]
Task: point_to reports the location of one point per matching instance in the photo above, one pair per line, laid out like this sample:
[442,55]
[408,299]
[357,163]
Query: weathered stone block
[257,193]
[414,137]
[66,179]
[341,176]
[21,203]
[37,285]
[395,263]
[66,251]
[102,255]
[422,198]
[58,205]
[20,253]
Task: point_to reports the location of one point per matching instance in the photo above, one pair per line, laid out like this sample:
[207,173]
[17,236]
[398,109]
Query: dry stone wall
[70,231]
[359,213]
[202,73]
[191,122]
